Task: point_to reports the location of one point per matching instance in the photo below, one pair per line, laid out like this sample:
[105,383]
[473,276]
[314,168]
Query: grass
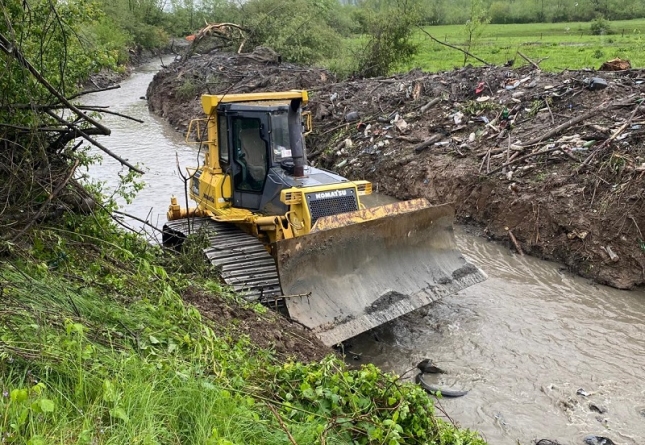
[98,347]
[567,45]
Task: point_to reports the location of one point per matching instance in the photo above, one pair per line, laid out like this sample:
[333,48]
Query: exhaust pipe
[295,136]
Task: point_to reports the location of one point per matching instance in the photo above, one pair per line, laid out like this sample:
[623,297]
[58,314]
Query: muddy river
[540,351]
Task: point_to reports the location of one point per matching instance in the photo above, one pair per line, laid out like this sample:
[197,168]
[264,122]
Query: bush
[389,28]
[301,32]
[600,26]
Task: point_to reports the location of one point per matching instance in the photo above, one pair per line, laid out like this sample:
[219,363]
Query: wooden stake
[514,240]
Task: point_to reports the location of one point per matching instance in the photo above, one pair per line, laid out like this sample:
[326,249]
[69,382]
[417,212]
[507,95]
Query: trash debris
[582,392]
[612,255]
[580,235]
[401,125]
[597,408]
[597,83]
[352,116]
[598,440]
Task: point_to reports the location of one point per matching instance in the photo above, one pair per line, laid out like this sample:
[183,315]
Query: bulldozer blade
[358,270]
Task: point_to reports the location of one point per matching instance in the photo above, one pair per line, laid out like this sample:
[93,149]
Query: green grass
[98,347]
[567,45]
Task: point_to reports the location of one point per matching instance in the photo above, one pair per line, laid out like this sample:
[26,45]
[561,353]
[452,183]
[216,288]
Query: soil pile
[552,164]
[175,91]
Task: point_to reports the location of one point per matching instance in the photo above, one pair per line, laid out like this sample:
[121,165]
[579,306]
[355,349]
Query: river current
[540,351]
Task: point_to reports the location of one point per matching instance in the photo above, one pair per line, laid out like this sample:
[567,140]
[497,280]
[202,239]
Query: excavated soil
[555,161]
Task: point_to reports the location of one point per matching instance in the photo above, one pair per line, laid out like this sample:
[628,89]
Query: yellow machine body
[343,268]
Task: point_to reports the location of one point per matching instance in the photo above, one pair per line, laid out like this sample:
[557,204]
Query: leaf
[109,393]
[37,440]
[153,340]
[19,395]
[38,388]
[47,405]
[119,413]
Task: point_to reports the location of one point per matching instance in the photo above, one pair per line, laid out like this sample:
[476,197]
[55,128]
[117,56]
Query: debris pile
[552,163]
[511,121]
[176,89]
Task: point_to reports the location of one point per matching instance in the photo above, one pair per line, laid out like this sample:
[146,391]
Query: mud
[574,187]
[269,330]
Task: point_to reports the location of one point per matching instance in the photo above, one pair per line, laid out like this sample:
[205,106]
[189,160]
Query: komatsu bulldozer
[281,231]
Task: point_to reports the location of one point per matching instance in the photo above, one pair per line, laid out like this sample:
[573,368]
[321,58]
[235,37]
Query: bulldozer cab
[253,139]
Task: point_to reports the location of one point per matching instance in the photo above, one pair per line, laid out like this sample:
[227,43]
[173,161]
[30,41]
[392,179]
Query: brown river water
[523,343]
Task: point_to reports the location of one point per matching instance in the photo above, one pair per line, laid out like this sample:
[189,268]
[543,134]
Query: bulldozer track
[242,260]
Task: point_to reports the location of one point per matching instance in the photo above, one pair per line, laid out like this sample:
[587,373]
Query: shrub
[600,26]
[389,28]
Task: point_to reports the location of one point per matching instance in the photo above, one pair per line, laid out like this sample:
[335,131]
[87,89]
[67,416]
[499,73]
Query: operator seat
[254,151]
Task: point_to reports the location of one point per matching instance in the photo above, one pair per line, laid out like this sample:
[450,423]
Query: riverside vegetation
[98,344]
[97,341]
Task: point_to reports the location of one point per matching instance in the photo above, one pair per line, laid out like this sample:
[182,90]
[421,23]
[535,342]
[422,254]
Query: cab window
[222,136]
[280,142]
[250,154]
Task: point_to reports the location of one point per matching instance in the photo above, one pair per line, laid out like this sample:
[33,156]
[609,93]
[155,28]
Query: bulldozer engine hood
[278,180]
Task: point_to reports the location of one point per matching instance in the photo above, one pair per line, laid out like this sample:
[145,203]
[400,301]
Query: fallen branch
[535,65]
[51,196]
[454,47]
[546,101]
[136,218]
[515,243]
[97,90]
[94,142]
[282,425]
[521,158]
[611,138]
[103,110]
[630,216]
[560,128]
[430,104]
[428,142]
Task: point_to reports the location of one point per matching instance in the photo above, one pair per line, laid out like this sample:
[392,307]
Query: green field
[567,45]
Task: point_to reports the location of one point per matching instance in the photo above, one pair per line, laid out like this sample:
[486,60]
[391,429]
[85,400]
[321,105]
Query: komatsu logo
[334,194]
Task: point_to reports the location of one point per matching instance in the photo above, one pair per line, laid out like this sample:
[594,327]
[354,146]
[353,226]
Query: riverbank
[106,338]
[548,163]
[136,57]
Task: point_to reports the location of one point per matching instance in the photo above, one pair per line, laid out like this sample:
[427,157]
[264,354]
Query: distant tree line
[531,11]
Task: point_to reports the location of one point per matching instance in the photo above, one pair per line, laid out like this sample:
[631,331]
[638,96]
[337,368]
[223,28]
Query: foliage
[188,90]
[300,30]
[475,25]
[388,26]
[96,346]
[141,20]
[53,42]
[366,405]
[600,26]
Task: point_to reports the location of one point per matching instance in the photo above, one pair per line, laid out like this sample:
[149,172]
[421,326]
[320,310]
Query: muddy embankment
[555,161]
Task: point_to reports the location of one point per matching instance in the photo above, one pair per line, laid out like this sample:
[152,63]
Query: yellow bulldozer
[281,231]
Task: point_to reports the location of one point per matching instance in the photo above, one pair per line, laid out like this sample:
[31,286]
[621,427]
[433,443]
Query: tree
[389,26]
[475,24]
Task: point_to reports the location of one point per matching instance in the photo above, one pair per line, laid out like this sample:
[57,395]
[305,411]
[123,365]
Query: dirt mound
[268,331]
[175,91]
[557,160]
